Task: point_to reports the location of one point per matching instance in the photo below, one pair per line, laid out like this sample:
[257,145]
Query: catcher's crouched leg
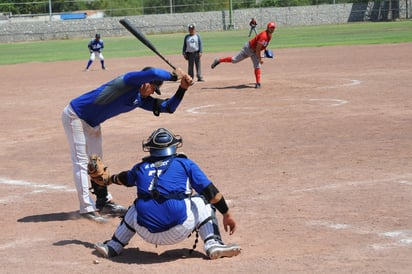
[104,203]
[208,228]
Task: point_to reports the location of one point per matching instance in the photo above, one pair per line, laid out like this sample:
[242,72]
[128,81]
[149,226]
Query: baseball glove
[97,171]
[269,54]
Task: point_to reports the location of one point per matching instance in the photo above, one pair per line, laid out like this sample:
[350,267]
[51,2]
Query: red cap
[271,25]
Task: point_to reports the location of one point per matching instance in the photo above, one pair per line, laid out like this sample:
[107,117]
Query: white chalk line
[398,238]
[326,101]
[20,242]
[332,102]
[400,179]
[37,188]
[350,84]
[203,109]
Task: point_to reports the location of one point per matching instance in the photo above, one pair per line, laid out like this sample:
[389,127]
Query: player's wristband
[222,206]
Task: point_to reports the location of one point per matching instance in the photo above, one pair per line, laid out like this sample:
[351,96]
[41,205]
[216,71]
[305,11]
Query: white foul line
[36,188]
[400,237]
[400,179]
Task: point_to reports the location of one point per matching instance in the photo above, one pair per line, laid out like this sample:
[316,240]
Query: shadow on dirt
[234,87]
[136,256]
[51,217]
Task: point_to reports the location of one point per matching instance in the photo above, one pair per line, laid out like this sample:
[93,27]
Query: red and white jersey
[262,38]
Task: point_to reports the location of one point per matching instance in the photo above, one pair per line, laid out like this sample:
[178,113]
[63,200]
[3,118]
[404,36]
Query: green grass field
[222,41]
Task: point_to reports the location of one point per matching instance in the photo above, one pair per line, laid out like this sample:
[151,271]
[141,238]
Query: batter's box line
[402,179]
[5,181]
[398,237]
[37,188]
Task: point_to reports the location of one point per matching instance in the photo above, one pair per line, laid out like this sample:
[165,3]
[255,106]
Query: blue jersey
[96,45]
[122,95]
[177,176]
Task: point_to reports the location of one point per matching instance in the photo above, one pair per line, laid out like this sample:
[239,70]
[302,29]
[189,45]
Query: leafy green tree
[137,7]
[122,7]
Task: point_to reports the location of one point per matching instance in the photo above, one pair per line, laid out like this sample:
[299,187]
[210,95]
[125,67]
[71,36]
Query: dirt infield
[317,163]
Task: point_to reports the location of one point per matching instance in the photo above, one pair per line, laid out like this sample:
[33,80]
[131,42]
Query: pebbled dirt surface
[317,163]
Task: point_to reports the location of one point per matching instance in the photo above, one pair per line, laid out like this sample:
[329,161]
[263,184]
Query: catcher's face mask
[162,142]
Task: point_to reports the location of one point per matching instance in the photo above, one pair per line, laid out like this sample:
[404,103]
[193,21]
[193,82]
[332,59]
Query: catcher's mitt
[97,170]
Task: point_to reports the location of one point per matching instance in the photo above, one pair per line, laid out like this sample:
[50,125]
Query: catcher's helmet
[162,142]
[271,25]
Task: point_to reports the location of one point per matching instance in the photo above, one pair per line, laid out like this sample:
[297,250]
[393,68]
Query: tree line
[141,7]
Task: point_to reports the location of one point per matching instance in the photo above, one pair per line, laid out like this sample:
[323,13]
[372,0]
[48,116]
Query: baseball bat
[142,38]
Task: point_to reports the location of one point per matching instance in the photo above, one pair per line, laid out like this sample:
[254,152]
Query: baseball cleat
[113,209]
[258,85]
[219,251]
[94,216]
[215,63]
[105,250]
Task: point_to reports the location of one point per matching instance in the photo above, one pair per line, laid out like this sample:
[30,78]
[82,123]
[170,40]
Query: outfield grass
[222,41]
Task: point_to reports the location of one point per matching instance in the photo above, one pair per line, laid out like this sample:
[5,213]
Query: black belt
[159,196]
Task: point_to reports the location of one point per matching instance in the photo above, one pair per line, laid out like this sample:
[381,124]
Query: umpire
[192,52]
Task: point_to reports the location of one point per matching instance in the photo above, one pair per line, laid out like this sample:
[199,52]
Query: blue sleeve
[198,179]
[90,45]
[147,76]
[170,105]
[132,176]
[140,77]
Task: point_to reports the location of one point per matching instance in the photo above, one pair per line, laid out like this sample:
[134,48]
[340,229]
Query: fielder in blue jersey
[83,116]
[95,47]
[174,198]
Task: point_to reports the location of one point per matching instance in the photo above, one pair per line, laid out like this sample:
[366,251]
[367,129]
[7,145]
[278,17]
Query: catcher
[166,211]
